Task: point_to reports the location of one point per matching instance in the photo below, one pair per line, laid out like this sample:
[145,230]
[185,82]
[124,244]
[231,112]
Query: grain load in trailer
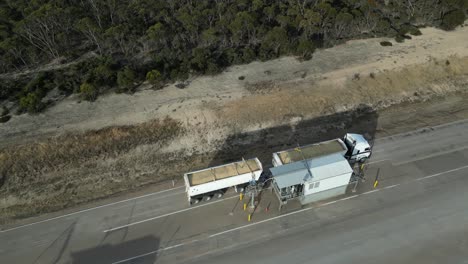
[213,182]
[309,152]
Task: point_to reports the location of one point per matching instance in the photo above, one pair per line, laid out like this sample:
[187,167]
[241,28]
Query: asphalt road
[417,214]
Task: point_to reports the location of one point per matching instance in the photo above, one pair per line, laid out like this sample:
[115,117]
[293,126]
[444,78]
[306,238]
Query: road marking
[332,202]
[441,173]
[154,252]
[391,186]
[377,161]
[430,156]
[137,257]
[285,215]
[375,190]
[168,214]
[349,197]
[90,209]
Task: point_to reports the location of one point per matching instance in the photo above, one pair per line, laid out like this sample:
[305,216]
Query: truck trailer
[214,182]
[353,147]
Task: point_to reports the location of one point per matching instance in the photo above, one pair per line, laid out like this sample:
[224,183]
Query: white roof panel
[321,168]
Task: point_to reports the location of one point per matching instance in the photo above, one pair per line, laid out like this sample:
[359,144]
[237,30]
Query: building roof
[311,151]
[320,167]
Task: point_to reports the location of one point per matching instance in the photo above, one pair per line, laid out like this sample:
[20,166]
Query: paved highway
[418,214]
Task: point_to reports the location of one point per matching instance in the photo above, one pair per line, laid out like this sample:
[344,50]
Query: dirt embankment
[77,152]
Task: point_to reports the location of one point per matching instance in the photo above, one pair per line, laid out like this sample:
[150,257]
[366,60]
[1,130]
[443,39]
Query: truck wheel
[194,201]
[219,195]
[207,198]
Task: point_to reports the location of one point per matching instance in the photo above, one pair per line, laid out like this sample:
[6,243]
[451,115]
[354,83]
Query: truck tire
[218,195]
[206,198]
[194,201]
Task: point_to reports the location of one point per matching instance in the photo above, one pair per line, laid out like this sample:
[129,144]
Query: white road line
[281,216]
[349,197]
[377,161]
[137,257]
[332,202]
[430,156]
[259,222]
[441,173]
[376,190]
[168,214]
[154,252]
[391,186]
[89,209]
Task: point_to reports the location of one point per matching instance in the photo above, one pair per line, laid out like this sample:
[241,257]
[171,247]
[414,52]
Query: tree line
[166,40]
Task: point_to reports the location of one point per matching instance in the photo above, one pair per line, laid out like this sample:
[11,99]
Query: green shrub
[88,91]
[154,77]
[399,38]
[126,79]
[31,102]
[386,43]
[305,48]
[104,75]
[453,19]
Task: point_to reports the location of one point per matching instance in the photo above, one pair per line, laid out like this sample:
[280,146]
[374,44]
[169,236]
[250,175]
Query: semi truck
[314,160]
[317,171]
[203,185]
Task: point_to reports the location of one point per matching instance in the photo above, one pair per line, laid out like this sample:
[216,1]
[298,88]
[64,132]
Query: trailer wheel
[207,198]
[219,195]
[194,201]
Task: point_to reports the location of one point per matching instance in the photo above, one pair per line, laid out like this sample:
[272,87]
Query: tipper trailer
[213,182]
[353,147]
[308,173]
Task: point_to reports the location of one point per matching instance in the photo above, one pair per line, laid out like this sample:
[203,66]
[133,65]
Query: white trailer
[213,182]
[353,147]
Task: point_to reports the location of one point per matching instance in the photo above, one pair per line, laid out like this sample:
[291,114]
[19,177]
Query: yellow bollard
[376,183]
[249,218]
[245,206]
[362,167]
[241,196]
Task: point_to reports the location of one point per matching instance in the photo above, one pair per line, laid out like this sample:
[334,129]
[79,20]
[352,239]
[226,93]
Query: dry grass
[436,77]
[75,168]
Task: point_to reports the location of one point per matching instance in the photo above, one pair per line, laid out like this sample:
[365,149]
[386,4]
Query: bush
[31,102]
[386,43]
[453,19]
[154,77]
[88,91]
[104,75]
[399,38]
[305,48]
[125,79]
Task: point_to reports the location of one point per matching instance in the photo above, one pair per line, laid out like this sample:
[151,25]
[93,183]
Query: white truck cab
[358,148]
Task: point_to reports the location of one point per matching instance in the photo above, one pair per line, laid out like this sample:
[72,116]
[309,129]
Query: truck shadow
[140,251]
[263,143]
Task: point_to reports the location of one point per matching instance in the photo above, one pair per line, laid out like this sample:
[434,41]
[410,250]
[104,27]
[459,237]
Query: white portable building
[312,179]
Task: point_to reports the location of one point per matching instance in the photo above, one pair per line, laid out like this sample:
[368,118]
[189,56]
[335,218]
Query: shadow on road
[263,143]
[128,250]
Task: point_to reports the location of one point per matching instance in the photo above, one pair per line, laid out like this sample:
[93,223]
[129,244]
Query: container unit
[213,182]
[312,179]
